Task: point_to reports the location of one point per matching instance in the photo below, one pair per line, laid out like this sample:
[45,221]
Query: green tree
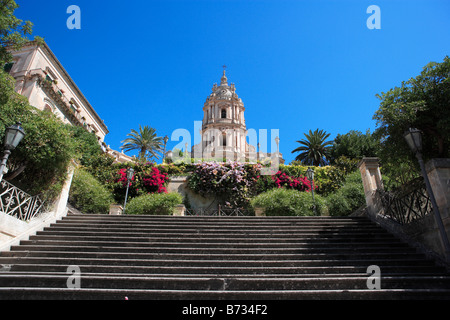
[354,145]
[314,150]
[146,141]
[13,31]
[88,148]
[421,102]
[40,161]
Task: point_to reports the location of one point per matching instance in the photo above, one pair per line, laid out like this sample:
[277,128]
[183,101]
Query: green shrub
[88,195]
[154,204]
[284,202]
[348,198]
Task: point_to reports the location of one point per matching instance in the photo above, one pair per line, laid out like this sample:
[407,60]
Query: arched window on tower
[224,140]
[224,113]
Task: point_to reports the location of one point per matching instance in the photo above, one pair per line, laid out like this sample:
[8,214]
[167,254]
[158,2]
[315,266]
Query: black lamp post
[310,176]
[13,135]
[130,172]
[414,139]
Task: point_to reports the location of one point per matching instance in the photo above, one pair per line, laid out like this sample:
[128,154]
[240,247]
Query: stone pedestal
[438,171]
[179,210]
[115,210]
[372,182]
[260,212]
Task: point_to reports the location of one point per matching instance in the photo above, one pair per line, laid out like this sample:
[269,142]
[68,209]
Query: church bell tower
[223,127]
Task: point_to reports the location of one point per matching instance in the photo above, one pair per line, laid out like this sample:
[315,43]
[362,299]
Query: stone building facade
[42,79]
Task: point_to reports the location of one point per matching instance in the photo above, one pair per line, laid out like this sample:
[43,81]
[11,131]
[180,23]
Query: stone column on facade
[372,182]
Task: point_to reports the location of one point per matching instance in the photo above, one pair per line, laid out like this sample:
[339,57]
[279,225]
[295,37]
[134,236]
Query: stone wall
[422,233]
[13,230]
[196,201]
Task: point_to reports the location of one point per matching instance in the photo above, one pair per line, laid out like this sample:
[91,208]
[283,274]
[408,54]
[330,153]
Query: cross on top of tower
[224,77]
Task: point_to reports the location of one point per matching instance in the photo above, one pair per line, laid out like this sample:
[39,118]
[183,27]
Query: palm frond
[146,141]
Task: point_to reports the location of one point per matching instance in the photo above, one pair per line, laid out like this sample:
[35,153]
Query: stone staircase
[264,258]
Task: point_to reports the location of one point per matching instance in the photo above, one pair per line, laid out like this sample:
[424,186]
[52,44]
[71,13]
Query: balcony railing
[17,203]
[63,102]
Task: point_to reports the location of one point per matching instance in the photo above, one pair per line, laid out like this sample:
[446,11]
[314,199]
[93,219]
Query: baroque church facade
[224,131]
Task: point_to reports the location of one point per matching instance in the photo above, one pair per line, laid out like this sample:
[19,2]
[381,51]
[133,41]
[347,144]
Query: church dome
[223,92]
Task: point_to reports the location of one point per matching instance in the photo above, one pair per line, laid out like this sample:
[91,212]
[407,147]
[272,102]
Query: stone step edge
[58,293]
[35,253]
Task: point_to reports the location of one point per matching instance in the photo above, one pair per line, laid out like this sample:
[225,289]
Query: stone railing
[17,203]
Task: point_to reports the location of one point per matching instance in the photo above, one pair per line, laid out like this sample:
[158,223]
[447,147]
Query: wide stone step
[196,219]
[204,236]
[122,294]
[216,263]
[226,240]
[223,284]
[310,244]
[193,231]
[210,224]
[69,247]
[163,257]
[211,256]
[222,270]
[229,275]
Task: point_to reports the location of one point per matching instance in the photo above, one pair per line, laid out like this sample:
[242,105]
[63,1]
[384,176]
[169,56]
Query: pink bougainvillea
[282,180]
[155,181]
[123,177]
[147,181]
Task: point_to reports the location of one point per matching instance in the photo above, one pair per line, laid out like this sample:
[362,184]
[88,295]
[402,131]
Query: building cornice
[48,52]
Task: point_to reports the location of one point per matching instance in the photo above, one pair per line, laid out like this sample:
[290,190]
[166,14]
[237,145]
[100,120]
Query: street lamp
[277,141]
[414,139]
[310,176]
[166,138]
[13,135]
[130,172]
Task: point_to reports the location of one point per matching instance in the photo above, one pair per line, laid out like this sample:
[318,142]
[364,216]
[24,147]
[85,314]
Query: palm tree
[314,150]
[146,141]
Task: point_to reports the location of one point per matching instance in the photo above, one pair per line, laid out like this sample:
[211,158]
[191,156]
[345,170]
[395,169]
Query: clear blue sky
[297,65]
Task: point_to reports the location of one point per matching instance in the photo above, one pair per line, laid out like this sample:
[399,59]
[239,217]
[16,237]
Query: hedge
[154,204]
[285,202]
[348,198]
[88,195]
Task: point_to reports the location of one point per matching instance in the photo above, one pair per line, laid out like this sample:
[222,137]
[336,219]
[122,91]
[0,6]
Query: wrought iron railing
[17,203]
[218,212]
[407,203]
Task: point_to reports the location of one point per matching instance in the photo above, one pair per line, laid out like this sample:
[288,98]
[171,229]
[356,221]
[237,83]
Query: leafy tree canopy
[13,31]
[422,102]
[354,145]
[42,157]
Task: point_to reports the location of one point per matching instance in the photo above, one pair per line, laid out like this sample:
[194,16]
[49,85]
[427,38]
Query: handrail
[407,203]
[18,203]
